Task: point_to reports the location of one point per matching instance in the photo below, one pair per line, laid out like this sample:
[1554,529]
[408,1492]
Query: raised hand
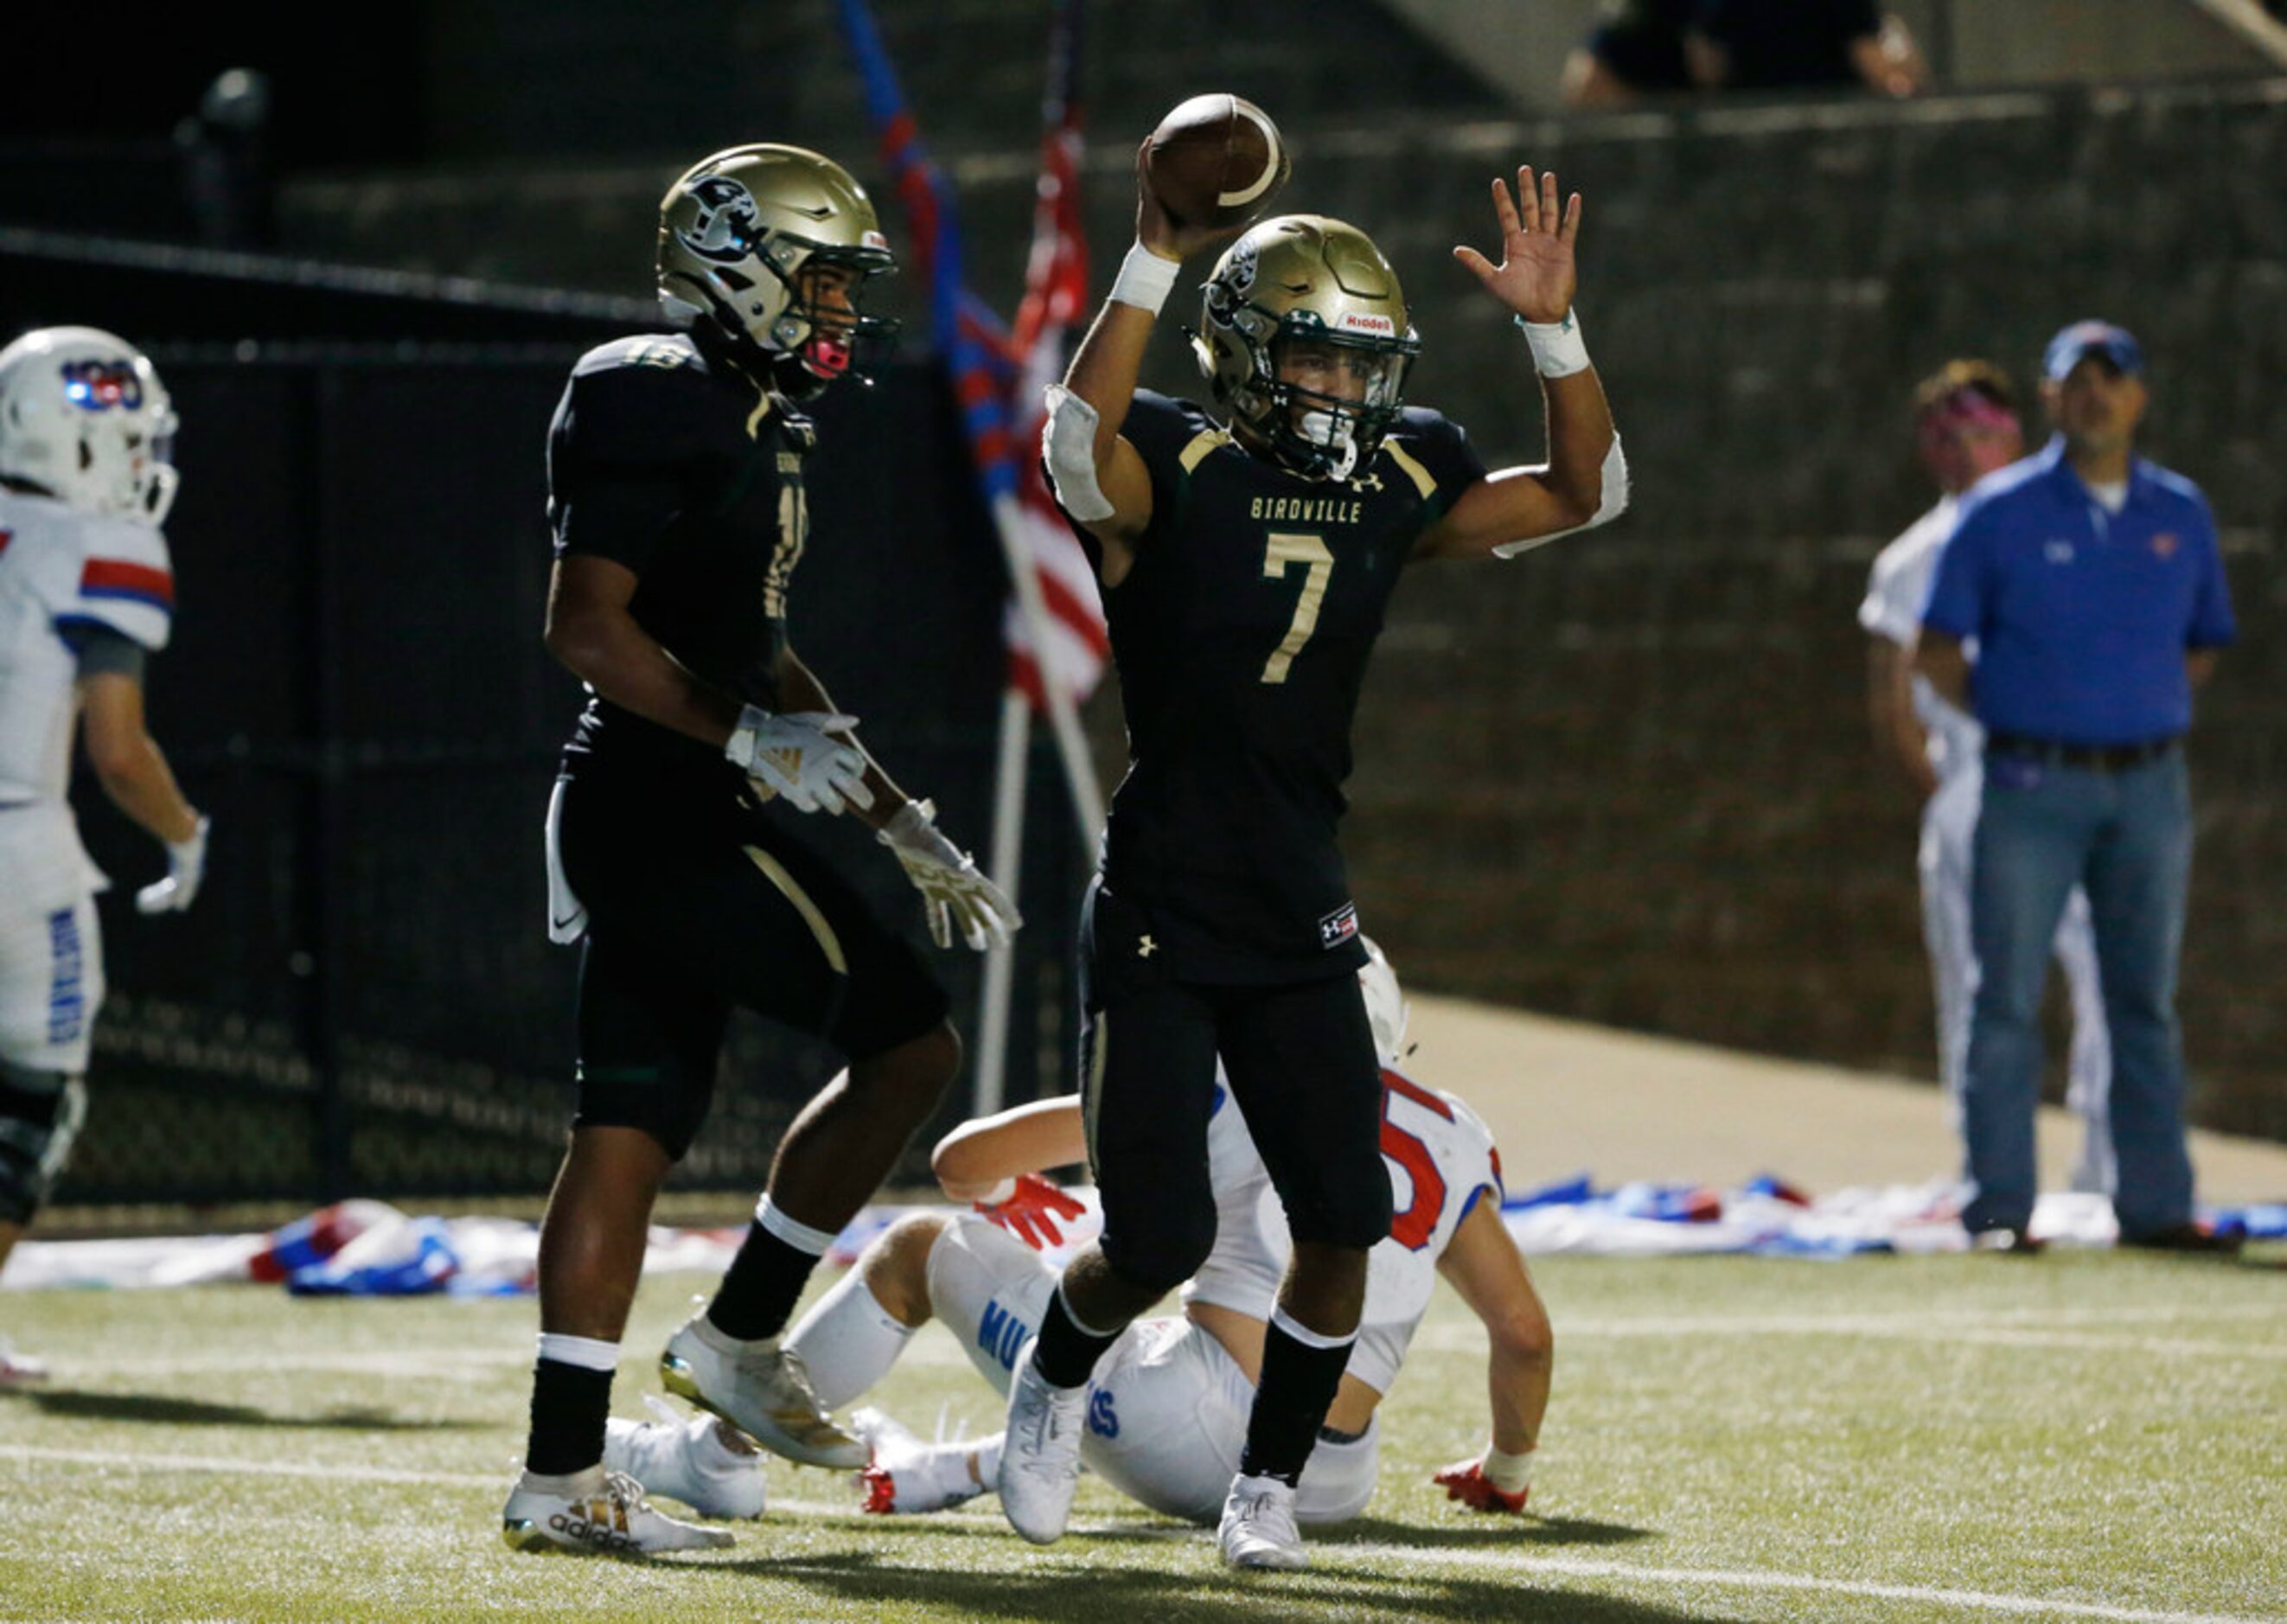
[1160,232]
[1536,276]
[1031,1213]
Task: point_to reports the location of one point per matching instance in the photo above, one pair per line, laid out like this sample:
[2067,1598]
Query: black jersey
[1241,633]
[676,465]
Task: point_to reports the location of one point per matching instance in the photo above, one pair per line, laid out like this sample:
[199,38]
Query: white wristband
[1511,1474]
[1557,351]
[1145,280]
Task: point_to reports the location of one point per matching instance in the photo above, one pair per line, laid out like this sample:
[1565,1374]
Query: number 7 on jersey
[1278,551]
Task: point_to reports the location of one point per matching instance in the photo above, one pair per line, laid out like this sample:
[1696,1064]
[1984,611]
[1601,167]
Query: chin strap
[1329,431]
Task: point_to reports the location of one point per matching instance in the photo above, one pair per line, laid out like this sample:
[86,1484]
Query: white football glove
[949,883]
[186,865]
[798,755]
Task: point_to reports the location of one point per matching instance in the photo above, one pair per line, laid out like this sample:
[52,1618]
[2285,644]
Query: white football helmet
[736,231]
[1386,1008]
[85,418]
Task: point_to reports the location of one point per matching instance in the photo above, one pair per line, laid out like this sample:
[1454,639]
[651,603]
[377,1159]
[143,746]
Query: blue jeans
[2126,836]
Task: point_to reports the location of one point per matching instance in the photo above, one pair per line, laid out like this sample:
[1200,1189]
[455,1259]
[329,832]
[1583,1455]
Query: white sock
[793,1231]
[847,1341]
[583,1353]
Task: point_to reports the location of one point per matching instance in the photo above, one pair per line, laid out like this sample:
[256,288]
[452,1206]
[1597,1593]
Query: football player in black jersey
[675,494]
[1246,563]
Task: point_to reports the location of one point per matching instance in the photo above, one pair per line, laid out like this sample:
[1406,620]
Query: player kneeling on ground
[86,595]
[1166,1409]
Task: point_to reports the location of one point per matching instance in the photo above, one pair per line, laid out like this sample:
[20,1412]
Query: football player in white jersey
[1966,425]
[86,595]
[1166,1410]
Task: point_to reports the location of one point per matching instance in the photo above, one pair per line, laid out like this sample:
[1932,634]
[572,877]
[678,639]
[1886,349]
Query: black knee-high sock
[774,1263]
[1068,1350]
[569,1407]
[1299,1379]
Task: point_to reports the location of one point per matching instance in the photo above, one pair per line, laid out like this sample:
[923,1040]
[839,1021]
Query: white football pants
[1166,1413]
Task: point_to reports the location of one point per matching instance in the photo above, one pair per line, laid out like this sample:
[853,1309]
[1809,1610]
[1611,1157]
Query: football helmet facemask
[84,417]
[750,239]
[1386,1008]
[1303,334]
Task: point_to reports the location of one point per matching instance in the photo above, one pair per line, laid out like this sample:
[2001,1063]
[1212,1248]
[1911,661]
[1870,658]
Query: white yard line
[1324,1552]
[1582,1567]
[2005,1328]
[468,1363]
[2028,1329]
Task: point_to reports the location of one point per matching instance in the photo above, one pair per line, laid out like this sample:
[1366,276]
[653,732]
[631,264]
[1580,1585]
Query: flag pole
[1000,981]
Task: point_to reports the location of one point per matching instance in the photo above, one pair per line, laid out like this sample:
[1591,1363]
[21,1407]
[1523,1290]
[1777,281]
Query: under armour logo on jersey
[1145,949]
[1368,482]
[2058,551]
[1339,926]
[2164,545]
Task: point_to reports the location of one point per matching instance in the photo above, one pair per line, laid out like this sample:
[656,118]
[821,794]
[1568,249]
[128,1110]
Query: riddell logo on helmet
[1365,322]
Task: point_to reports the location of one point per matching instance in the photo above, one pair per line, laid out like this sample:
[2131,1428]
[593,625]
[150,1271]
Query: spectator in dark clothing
[1799,44]
[1636,51]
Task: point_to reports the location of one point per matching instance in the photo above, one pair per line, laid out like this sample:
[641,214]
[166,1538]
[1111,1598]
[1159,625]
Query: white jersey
[60,568]
[1441,1160]
[1895,596]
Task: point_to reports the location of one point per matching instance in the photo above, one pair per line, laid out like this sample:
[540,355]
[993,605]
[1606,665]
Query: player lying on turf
[1166,1410]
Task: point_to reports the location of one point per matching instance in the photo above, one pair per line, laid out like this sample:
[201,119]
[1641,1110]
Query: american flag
[999,373]
[1055,297]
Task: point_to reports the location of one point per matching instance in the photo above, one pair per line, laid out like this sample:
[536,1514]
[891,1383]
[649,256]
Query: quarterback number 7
[1278,551]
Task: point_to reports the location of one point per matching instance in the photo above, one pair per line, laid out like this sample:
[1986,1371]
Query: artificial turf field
[2072,1436]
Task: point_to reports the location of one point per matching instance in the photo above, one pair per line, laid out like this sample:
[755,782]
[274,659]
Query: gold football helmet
[1302,289]
[736,233]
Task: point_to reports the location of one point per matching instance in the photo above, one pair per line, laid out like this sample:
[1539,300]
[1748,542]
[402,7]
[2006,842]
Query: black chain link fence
[363,1000]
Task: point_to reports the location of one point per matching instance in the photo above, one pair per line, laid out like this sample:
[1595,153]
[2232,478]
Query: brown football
[1215,160]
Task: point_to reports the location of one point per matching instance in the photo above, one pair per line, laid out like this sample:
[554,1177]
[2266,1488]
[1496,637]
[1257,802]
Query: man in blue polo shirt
[2087,585]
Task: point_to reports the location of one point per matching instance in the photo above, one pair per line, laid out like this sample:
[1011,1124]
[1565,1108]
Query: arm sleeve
[1958,591]
[2212,624]
[617,456]
[102,651]
[126,585]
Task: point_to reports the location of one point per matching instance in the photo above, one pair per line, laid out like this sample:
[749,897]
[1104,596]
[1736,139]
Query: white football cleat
[1258,1525]
[595,1512]
[760,1388]
[907,1474]
[20,1369]
[704,1461]
[1039,1456]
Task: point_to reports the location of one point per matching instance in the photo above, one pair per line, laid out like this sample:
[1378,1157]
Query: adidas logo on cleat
[604,1525]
